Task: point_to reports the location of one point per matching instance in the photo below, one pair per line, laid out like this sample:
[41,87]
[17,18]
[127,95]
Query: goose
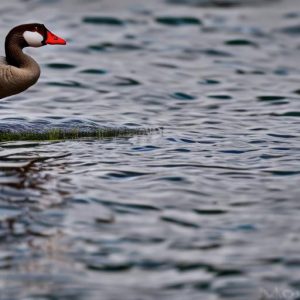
[19,71]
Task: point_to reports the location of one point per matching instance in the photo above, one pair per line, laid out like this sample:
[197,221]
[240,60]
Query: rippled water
[206,209]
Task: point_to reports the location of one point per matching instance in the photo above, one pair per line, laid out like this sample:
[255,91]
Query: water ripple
[93,203]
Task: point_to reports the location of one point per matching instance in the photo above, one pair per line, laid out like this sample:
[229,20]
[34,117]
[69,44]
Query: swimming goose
[19,71]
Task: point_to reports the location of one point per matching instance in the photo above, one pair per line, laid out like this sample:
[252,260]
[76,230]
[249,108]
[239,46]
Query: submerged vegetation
[71,133]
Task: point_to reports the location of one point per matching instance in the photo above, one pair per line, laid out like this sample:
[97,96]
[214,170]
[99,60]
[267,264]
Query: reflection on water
[208,208]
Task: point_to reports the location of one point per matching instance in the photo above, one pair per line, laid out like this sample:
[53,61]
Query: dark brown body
[14,80]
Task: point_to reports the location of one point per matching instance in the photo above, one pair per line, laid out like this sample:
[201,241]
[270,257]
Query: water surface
[206,209]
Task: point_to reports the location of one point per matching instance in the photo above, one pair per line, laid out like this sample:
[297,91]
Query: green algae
[71,134]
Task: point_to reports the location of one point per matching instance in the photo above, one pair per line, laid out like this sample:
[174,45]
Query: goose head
[33,35]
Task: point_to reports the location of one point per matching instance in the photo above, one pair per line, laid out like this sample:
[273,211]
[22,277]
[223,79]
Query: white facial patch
[33,39]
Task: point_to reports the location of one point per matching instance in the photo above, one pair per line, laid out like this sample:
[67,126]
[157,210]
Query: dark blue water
[208,208]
